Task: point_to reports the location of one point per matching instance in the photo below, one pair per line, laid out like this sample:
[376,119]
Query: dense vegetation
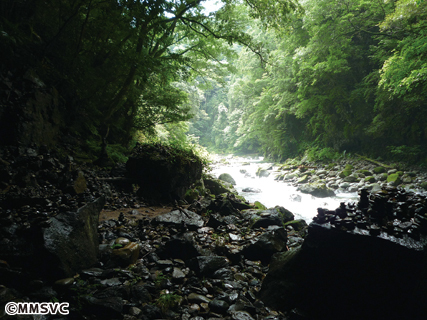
[322,77]
[344,76]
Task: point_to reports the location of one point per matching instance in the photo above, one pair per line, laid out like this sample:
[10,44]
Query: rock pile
[204,261]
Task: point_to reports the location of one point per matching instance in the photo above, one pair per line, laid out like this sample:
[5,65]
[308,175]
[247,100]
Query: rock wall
[29,111]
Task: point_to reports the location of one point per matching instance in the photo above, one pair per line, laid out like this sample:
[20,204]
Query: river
[273,193]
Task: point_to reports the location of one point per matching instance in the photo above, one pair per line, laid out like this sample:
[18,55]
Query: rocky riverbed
[72,233]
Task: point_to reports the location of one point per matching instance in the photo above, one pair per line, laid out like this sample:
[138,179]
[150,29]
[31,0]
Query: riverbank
[86,236]
[302,187]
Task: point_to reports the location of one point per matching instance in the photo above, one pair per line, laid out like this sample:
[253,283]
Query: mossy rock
[227,178]
[298,225]
[303,179]
[191,195]
[379,170]
[348,167]
[382,176]
[394,179]
[345,173]
[330,166]
[242,198]
[259,205]
[423,185]
[217,186]
[370,179]
[400,173]
[367,173]
[407,178]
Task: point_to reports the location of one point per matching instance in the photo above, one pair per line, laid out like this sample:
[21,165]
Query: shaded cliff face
[29,111]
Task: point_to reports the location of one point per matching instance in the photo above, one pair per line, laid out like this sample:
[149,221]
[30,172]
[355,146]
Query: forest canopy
[285,78]
[345,76]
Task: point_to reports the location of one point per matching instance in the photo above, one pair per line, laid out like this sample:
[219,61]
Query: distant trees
[344,75]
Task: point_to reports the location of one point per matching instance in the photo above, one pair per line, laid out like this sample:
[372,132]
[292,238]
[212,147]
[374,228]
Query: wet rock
[122,241]
[227,178]
[303,179]
[108,308]
[273,216]
[126,255]
[207,265]
[178,275]
[266,245]
[351,178]
[216,186]
[134,311]
[251,190]
[394,179]
[197,298]
[317,189]
[218,306]
[180,218]
[241,315]
[262,172]
[295,197]
[297,225]
[378,170]
[140,294]
[71,241]
[152,311]
[181,246]
[223,274]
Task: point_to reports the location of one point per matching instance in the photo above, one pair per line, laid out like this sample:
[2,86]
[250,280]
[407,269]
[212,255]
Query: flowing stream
[273,193]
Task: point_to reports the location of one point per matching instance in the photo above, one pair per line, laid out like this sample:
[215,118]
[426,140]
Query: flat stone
[197,298]
[178,218]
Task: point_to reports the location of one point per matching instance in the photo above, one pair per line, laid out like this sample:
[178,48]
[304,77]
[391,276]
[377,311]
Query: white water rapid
[273,193]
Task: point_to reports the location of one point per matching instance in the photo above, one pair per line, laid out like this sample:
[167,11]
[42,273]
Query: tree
[114,61]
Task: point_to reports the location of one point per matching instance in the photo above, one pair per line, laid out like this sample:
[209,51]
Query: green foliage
[348,77]
[407,153]
[122,66]
[168,301]
[321,154]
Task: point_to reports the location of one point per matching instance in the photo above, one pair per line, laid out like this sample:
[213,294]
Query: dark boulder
[348,275]
[269,243]
[207,265]
[317,189]
[181,246]
[227,178]
[179,218]
[71,241]
[58,247]
[273,216]
[163,173]
[217,186]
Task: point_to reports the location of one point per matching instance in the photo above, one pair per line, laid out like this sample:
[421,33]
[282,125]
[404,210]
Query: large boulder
[179,218]
[217,186]
[317,189]
[270,242]
[227,178]
[269,217]
[349,267]
[163,173]
[71,241]
[59,247]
